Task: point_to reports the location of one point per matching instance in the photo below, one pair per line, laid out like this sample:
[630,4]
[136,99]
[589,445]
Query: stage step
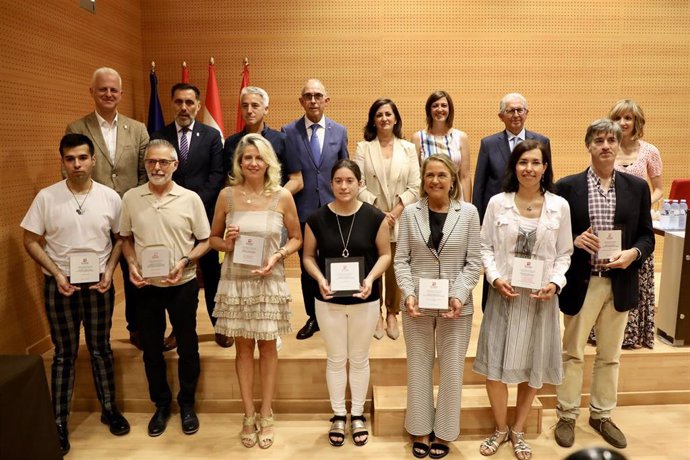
[301,381]
[476,419]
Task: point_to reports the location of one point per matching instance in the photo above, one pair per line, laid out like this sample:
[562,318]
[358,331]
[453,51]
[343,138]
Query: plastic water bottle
[683,217]
[665,218]
[675,215]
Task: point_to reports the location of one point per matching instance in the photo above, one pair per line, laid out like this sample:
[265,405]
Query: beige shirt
[176,221]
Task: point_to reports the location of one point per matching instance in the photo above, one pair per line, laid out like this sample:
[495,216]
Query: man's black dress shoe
[159,421]
[63,437]
[116,422]
[308,329]
[190,422]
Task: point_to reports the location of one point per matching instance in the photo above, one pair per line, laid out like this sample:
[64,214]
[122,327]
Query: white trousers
[347,331]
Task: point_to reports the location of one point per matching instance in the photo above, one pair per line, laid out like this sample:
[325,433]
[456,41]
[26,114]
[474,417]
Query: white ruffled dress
[249,305]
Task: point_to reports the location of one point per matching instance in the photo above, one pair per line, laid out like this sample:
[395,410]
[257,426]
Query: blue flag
[155,121]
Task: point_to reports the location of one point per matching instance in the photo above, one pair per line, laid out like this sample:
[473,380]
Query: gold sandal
[522,450]
[491,444]
[265,440]
[249,439]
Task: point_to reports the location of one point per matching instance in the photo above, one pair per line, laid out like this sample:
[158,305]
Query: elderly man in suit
[119,144]
[200,153]
[610,216]
[494,152]
[318,143]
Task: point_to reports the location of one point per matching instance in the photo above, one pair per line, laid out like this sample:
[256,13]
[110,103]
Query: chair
[680,189]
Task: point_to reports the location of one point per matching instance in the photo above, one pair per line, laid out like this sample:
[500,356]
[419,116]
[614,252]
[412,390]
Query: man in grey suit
[119,144]
[494,150]
[317,143]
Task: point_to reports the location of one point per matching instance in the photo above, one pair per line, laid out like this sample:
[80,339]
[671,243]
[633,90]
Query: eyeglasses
[310,96]
[151,163]
[511,112]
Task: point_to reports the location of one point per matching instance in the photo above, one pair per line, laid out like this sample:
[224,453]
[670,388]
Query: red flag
[213,115]
[239,125]
[185,72]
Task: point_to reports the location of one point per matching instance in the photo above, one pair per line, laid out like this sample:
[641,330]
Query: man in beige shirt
[119,144]
[163,214]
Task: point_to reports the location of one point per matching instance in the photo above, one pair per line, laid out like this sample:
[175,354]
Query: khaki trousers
[609,324]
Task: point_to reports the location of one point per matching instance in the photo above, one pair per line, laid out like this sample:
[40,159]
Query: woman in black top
[347,229]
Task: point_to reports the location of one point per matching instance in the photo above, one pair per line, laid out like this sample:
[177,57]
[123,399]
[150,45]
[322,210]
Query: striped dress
[448,144]
[519,339]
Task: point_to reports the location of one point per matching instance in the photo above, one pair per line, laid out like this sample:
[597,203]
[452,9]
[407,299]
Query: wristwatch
[187,259]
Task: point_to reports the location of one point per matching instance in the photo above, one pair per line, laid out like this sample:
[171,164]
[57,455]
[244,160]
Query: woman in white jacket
[390,181]
[526,244]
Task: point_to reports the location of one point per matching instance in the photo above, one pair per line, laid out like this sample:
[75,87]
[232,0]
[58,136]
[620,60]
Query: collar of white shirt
[520,135]
[178,128]
[103,123]
[308,123]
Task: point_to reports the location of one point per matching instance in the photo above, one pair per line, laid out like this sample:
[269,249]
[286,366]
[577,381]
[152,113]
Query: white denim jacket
[553,245]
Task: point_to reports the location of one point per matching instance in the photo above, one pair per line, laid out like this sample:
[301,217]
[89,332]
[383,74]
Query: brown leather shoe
[170,342]
[565,432]
[224,341]
[134,339]
[609,431]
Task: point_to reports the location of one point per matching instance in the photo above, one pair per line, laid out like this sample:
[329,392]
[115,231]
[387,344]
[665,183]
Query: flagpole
[239,123]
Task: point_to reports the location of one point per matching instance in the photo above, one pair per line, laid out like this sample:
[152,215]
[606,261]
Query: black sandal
[336,435]
[358,429]
[421,450]
[444,448]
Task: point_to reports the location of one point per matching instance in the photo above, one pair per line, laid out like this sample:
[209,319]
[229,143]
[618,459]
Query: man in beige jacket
[119,144]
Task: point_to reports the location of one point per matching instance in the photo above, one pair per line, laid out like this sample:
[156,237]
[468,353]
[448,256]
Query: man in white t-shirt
[78,219]
[165,230]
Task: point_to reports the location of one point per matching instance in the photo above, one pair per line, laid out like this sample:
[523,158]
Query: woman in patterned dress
[519,341]
[252,302]
[641,159]
[440,137]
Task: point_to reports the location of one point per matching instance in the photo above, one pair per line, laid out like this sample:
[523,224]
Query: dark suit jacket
[288,165]
[492,160]
[632,215]
[317,178]
[203,171]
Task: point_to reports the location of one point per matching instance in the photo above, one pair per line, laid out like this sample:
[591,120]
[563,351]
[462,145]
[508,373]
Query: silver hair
[510,97]
[105,71]
[603,125]
[255,90]
[158,143]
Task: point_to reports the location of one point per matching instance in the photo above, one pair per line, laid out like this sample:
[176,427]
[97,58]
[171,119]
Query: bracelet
[283,256]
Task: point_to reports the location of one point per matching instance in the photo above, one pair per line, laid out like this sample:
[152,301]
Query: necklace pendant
[529,207]
[80,212]
[346,253]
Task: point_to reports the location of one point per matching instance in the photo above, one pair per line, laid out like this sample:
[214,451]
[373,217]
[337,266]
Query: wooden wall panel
[49,51]
[572,60]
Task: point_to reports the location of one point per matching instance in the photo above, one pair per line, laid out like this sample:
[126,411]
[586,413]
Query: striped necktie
[184,146]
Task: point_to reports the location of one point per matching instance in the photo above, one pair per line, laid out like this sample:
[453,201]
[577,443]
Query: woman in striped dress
[519,341]
[440,137]
[438,239]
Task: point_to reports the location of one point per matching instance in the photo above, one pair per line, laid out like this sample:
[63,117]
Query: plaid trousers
[65,315]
